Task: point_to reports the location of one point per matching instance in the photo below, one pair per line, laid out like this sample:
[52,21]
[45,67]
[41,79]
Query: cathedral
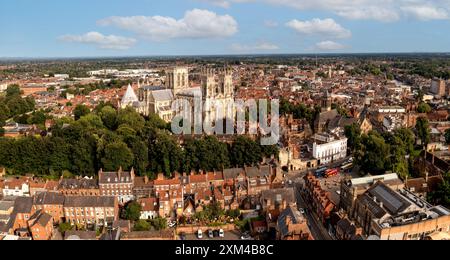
[216,86]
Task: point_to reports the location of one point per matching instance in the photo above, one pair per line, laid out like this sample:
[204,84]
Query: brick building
[318,199]
[50,203]
[119,184]
[78,187]
[94,210]
[41,226]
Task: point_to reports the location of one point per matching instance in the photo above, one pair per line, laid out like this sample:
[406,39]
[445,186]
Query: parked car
[200,234]
[302,211]
[221,233]
[210,234]
[172,224]
[246,237]
[216,233]
[182,236]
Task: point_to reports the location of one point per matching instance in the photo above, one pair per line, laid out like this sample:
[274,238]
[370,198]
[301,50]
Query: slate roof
[232,173]
[115,177]
[93,201]
[80,235]
[295,216]
[278,195]
[49,198]
[6,205]
[41,218]
[163,95]
[78,184]
[23,205]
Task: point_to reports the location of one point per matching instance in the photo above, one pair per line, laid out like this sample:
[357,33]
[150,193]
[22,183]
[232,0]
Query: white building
[16,188]
[150,208]
[328,149]
[130,99]
[3,87]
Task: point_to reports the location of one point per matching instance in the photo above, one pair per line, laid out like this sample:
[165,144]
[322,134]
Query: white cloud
[380,10]
[196,24]
[103,41]
[426,13]
[262,46]
[329,46]
[325,28]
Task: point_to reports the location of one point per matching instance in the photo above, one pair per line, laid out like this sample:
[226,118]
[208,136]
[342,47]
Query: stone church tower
[178,79]
[209,89]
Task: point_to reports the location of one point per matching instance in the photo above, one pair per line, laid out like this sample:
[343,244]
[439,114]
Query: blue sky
[82,28]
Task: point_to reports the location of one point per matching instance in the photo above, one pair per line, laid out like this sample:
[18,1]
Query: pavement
[229,235]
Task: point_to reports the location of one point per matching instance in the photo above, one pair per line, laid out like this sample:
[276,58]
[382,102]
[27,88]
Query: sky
[93,28]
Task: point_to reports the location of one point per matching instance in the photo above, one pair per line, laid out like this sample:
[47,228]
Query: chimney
[426,176]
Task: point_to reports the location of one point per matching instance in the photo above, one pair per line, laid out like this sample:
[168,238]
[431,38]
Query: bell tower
[226,82]
[208,83]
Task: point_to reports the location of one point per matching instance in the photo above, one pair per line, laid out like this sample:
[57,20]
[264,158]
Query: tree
[441,196]
[419,96]
[38,118]
[353,134]
[4,113]
[447,136]
[117,155]
[131,118]
[165,155]
[13,90]
[83,154]
[372,153]
[159,223]
[133,211]
[140,156]
[245,152]
[109,117]
[80,111]
[423,130]
[142,225]
[424,108]
[64,227]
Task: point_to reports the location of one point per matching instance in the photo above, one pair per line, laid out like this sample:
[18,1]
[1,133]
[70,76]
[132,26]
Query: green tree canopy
[353,134]
[133,211]
[13,90]
[109,117]
[424,108]
[80,111]
[117,155]
[423,130]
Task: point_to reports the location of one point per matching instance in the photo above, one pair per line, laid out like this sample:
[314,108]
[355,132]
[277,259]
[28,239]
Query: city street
[318,231]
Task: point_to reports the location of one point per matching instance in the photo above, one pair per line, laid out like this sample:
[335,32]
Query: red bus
[331,172]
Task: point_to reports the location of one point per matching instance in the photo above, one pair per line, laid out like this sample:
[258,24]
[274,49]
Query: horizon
[168,56]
